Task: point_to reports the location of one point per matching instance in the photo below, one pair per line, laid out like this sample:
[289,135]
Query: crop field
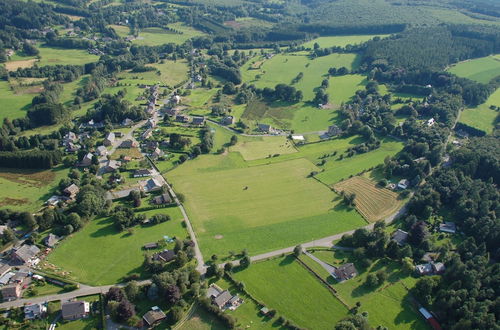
[341,41]
[82,253]
[482,117]
[27,190]
[259,208]
[283,68]
[374,203]
[256,148]
[157,36]
[14,65]
[481,69]
[283,284]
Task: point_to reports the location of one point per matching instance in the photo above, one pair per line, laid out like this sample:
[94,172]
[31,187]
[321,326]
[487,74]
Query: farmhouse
[71,191]
[25,253]
[141,173]
[403,184]
[345,272]
[109,139]
[266,128]
[87,160]
[162,199]
[228,120]
[35,311]
[222,298]
[164,256]
[198,121]
[11,292]
[154,316]
[400,237]
[448,227]
[101,151]
[74,310]
[127,144]
[334,130]
[430,268]
[51,240]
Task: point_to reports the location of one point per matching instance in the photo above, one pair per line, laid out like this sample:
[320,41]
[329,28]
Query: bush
[70,287]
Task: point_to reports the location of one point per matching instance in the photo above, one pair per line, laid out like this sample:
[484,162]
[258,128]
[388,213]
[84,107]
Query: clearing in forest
[482,117]
[341,41]
[373,202]
[480,69]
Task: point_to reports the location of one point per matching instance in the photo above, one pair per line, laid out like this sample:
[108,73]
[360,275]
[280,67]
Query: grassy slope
[482,116]
[341,41]
[158,36]
[99,254]
[481,69]
[256,148]
[201,320]
[13,105]
[286,286]
[53,56]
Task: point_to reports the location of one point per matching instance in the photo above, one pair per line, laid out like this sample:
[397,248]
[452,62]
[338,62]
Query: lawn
[480,69]
[262,147]
[99,254]
[341,41]
[342,88]
[283,68]
[260,208]
[157,36]
[200,319]
[27,190]
[283,284]
[482,117]
[373,202]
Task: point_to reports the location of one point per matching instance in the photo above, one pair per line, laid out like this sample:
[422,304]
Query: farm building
[51,240]
[25,253]
[154,316]
[162,199]
[198,121]
[345,272]
[266,128]
[109,139]
[71,191]
[400,237]
[228,120]
[74,310]
[429,318]
[448,227]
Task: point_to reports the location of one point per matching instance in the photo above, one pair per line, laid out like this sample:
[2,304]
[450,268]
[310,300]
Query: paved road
[329,268]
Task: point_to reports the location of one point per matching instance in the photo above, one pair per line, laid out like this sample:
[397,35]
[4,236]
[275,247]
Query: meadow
[53,56]
[27,190]
[83,256]
[482,117]
[341,41]
[157,36]
[260,208]
[283,284]
[480,69]
[373,202]
[256,148]
[200,319]
[171,74]
[13,105]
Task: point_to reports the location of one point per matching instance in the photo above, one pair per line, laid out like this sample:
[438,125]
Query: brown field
[14,65]
[132,152]
[33,178]
[372,202]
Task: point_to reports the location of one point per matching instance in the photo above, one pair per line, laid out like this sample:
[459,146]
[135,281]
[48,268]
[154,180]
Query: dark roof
[164,256]
[222,299]
[26,252]
[162,199]
[10,291]
[152,317]
[142,172]
[151,245]
[198,120]
[346,271]
[73,308]
[400,236]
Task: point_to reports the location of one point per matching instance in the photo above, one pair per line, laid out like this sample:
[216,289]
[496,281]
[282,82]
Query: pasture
[283,68]
[200,319]
[27,190]
[480,69]
[373,202]
[83,256]
[170,73]
[283,284]
[256,148]
[341,41]
[154,36]
[13,105]
[52,56]
[260,208]
[482,117]
[342,88]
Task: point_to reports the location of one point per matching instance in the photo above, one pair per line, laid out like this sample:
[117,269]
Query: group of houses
[68,195]
[70,310]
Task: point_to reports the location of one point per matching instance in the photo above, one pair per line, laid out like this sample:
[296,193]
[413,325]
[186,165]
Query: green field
[27,190]
[99,254]
[256,148]
[481,69]
[283,68]
[171,74]
[200,319]
[260,208]
[283,284]
[53,56]
[341,41]
[157,36]
[342,88]
[13,105]
[482,117]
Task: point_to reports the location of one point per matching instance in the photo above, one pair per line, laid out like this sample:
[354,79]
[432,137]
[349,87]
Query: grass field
[157,36]
[200,319]
[481,69]
[286,286]
[27,190]
[260,208]
[342,88]
[171,73]
[341,41]
[374,203]
[482,117]
[283,68]
[53,56]
[13,105]
[84,257]
[256,148]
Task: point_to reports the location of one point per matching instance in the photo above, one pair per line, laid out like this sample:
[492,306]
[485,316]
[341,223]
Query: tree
[176,314]
[28,220]
[234,140]
[172,294]
[372,280]
[228,267]
[297,251]
[125,310]
[181,258]
[407,265]
[245,261]
[132,290]
[115,293]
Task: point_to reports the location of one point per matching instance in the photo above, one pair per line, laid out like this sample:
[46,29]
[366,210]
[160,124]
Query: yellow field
[374,203]
[14,65]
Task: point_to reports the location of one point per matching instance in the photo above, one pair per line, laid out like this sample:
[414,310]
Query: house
[430,122]
[150,246]
[4,268]
[182,118]
[53,200]
[154,316]
[70,137]
[51,240]
[35,311]
[5,278]
[71,191]
[87,160]
[141,173]
[222,299]
[101,151]
[161,199]
[151,123]
[400,237]
[157,153]
[424,269]
[264,311]
[20,278]
[111,166]
[151,145]
[175,99]
[266,128]
[448,227]
[228,120]
[429,318]
[198,121]
[150,185]
[172,112]
[438,268]
[74,310]
[71,147]
[118,134]
[109,140]
[147,134]
[334,130]
[127,122]
[127,144]
[298,138]
[25,253]
[164,256]
[403,184]
[345,272]
[11,292]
